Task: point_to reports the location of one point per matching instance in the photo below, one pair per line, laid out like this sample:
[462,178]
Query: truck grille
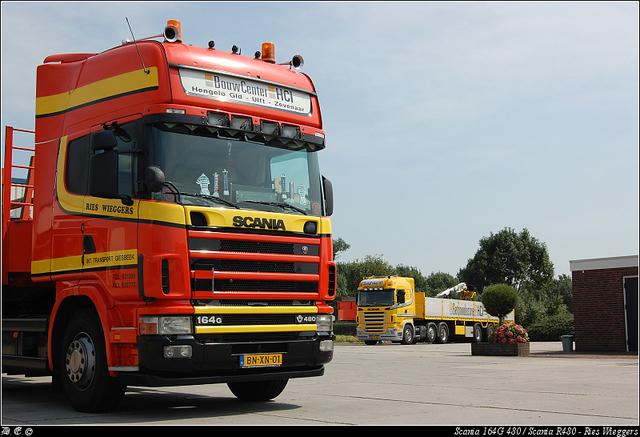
[242,265]
[255,247]
[374,322]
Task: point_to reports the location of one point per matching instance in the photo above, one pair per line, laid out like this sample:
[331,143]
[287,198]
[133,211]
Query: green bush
[345,328]
[550,328]
[499,300]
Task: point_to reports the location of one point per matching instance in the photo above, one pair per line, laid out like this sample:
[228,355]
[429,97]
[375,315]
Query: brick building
[605,303]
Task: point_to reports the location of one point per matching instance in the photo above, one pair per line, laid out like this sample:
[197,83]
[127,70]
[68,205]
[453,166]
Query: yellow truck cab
[386,309]
[389,308]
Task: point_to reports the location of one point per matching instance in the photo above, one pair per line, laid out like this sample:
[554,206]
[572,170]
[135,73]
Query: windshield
[210,167]
[375,298]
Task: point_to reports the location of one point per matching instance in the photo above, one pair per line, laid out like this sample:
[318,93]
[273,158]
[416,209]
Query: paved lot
[386,384]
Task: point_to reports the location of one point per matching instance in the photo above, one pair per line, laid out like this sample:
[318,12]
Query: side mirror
[154,178]
[401,295]
[328,195]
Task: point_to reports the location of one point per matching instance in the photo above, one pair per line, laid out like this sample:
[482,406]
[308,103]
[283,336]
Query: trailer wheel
[432,332]
[407,334]
[491,328]
[477,333]
[85,379]
[257,391]
[443,333]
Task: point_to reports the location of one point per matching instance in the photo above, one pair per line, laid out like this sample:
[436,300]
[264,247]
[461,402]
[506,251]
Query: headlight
[165,325]
[324,322]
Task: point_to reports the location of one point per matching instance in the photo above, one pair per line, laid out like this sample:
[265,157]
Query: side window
[77,165]
[79,154]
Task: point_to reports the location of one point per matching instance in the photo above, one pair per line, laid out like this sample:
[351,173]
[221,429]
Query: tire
[85,377]
[432,332]
[257,391]
[407,334]
[477,333]
[443,333]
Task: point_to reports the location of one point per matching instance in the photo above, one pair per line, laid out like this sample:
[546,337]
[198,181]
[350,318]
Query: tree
[412,272]
[509,258]
[561,289]
[353,272]
[549,327]
[437,282]
[339,246]
[499,300]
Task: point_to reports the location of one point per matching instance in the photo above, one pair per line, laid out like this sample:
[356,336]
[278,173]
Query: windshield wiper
[214,198]
[280,204]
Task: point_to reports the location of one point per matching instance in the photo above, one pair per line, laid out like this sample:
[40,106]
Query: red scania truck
[173,228]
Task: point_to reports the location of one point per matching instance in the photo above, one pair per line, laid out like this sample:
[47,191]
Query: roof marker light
[269,52]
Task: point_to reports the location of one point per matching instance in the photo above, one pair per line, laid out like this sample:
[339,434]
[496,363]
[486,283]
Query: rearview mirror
[328,195]
[401,296]
[154,178]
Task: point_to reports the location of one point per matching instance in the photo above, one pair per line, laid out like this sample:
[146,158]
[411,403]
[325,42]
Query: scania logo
[305,249]
[300,318]
[257,222]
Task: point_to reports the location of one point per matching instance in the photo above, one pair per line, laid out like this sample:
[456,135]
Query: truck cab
[180,229]
[386,310]
[389,308]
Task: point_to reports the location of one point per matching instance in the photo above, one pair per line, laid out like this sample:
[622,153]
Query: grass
[346,339]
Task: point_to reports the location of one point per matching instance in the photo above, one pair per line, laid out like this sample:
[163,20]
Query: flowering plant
[509,333]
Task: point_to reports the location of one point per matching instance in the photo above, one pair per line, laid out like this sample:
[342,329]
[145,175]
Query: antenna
[134,41]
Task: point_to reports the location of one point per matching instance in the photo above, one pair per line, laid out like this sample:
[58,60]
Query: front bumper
[391,334]
[220,362]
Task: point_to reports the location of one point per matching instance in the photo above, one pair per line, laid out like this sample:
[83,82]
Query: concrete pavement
[386,384]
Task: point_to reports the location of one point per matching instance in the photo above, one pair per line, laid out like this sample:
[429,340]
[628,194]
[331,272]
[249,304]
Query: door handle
[88,246]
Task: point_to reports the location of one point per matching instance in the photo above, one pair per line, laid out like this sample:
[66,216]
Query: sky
[445,122]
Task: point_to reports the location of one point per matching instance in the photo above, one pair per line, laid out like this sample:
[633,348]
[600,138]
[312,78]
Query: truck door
[70,190]
[110,225]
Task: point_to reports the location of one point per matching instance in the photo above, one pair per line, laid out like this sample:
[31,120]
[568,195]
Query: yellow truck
[390,309]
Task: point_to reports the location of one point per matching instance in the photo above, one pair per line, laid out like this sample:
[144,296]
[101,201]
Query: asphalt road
[386,384]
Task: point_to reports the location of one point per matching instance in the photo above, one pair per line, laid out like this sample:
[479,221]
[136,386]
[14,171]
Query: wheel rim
[443,334]
[408,334]
[80,362]
[432,333]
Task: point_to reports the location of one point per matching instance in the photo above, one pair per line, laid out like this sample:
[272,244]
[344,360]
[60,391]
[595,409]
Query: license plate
[261,360]
[374,337]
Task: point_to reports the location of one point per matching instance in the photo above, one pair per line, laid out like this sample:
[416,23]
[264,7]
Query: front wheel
[407,335]
[86,380]
[257,391]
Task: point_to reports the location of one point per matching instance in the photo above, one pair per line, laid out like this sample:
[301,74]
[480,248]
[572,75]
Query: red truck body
[179,229]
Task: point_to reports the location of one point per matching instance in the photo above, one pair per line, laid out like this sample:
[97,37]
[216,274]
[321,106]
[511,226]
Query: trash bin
[567,343]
